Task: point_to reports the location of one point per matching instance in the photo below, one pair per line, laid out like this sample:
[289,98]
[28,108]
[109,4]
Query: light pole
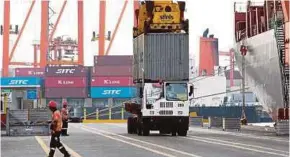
[243,50]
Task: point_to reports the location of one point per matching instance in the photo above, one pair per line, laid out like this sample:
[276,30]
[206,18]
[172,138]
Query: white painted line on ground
[130,143]
[148,143]
[203,130]
[235,146]
[237,143]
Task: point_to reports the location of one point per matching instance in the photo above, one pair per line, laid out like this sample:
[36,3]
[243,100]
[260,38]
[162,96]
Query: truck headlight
[180,112]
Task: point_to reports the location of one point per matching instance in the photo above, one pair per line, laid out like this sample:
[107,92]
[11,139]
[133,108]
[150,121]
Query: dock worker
[64,114]
[56,126]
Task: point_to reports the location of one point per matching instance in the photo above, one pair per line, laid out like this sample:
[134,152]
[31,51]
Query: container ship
[263,29]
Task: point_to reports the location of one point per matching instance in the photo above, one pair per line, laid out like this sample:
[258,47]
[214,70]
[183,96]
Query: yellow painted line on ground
[71,151]
[42,144]
[105,121]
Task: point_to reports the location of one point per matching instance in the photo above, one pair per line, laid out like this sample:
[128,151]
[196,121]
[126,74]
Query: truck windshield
[176,92]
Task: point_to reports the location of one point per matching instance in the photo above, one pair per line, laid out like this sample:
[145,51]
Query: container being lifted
[160,56]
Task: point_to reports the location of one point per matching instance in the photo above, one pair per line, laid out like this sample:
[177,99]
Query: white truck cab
[164,107]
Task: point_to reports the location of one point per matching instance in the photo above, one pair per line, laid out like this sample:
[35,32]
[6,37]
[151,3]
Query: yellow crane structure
[159,16]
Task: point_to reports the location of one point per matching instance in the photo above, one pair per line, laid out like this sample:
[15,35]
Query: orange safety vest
[64,113]
[56,116]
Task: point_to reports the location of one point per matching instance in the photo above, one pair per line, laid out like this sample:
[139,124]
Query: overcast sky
[217,15]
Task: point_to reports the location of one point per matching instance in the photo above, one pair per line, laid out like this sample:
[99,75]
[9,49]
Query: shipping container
[113,60]
[112,71]
[29,72]
[65,82]
[162,56]
[13,82]
[66,92]
[111,81]
[75,71]
[113,92]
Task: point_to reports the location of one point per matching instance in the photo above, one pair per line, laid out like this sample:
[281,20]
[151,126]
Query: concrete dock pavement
[112,140]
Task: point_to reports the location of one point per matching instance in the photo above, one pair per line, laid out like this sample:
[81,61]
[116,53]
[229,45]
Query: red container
[29,72]
[113,60]
[75,71]
[111,81]
[66,92]
[112,71]
[65,82]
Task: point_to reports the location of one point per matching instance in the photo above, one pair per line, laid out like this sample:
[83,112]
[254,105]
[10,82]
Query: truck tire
[146,131]
[182,132]
[139,128]
[145,126]
[134,126]
[129,125]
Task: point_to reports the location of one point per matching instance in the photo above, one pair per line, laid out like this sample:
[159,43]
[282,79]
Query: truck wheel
[134,126]
[173,132]
[129,125]
[146,131]
[139,128]
[182,132]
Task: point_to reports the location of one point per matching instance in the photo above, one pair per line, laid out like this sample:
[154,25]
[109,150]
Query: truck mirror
[190,90]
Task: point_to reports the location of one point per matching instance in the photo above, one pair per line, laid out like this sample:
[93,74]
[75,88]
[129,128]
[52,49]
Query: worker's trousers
[64,127]
[55,143]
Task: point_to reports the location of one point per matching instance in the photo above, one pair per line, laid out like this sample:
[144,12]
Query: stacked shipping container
[66,82]
[111,80]
[38,72]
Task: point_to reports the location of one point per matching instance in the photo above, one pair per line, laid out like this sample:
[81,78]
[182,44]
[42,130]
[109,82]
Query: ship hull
[262,69]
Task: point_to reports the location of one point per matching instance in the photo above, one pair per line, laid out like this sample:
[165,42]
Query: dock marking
[42,144]
[241,144]
[235,146]
[133,144]
[71,151]
[148,143]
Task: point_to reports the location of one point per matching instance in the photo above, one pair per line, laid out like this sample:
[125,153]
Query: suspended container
[161,56]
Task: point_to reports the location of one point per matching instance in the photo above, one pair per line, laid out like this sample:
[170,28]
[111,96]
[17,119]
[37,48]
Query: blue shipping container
[113,92]
[20,82]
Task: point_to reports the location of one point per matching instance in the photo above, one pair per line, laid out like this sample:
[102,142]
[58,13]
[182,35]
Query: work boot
[51,153]
[64,152]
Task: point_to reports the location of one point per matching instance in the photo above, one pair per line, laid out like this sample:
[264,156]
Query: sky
[217,15]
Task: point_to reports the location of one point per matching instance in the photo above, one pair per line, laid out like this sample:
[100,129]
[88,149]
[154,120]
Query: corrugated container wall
[207,57]
[29,72]
[74,71]
[112,71]
[65,82]
[163,56]
[112,81]
[113,60]
[66,92]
